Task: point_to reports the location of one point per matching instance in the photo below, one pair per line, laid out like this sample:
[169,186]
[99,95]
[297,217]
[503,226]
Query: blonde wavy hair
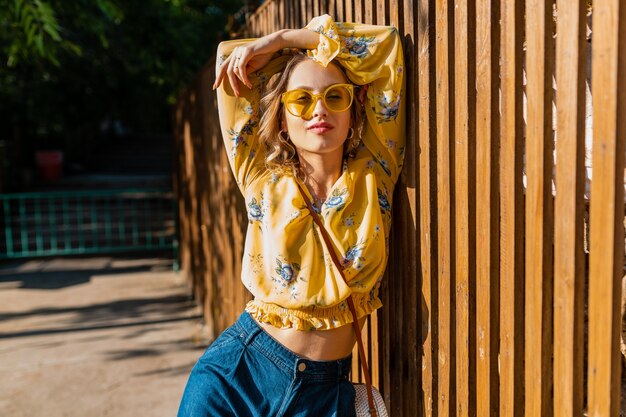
[280,152]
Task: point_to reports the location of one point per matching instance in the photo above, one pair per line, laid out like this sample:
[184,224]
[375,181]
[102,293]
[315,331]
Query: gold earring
[351,130]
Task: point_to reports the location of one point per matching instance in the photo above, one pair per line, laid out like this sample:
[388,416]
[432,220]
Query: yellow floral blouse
[286,264]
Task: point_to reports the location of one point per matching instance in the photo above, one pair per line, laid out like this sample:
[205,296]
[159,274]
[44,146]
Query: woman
[332,122]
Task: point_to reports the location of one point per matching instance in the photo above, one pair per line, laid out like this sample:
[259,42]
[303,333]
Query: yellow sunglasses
[301,102]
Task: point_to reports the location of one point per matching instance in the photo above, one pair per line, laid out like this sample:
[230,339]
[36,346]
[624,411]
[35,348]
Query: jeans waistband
[253,335]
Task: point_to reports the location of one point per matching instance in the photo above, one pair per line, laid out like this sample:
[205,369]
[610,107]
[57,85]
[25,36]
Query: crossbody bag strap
[350,301]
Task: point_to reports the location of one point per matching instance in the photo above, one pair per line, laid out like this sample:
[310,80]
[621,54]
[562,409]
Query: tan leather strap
[355,321]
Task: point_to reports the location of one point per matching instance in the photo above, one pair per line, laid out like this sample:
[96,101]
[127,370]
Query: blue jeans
[246,372]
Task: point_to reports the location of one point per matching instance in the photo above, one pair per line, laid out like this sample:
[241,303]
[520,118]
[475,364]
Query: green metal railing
[87,222]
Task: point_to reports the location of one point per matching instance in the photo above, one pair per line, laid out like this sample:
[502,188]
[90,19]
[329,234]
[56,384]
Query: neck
[321,171]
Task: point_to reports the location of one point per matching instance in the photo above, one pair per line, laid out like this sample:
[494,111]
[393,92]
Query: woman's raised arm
[252,56]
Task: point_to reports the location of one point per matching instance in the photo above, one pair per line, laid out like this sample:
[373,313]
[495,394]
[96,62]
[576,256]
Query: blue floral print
[286,272]
[329,33]
[255,212]
[389,108]
[337,199]
[383,202]
[358,46]
[353,255]
[384,165]
[237,138]
[248,127]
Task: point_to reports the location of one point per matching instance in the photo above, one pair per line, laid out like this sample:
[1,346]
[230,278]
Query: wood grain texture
[461,229]
[444,231]
[539,218]
[427,202]
[488,212]
[511,212]
[607,207]
[568,240]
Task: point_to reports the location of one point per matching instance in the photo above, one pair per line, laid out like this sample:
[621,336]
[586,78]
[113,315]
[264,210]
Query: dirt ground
[95,337]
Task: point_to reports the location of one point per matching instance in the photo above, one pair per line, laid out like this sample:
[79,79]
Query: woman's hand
[246,59]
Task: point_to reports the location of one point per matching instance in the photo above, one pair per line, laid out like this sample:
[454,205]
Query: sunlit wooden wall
[491,306]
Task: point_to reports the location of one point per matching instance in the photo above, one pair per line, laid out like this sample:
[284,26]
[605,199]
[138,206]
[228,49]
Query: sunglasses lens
[338,98]
[298,102]
[302,102]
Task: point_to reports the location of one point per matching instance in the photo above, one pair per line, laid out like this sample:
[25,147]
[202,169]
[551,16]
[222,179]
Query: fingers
[242,65]
[232,78]
[234,67]
[220,74]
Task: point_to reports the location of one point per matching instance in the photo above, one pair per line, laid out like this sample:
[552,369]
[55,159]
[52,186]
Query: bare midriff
[320,345]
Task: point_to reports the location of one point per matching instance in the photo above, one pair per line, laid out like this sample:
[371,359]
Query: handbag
[367,402]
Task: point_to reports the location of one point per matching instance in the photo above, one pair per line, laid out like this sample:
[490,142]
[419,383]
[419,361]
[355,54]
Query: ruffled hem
[313,318]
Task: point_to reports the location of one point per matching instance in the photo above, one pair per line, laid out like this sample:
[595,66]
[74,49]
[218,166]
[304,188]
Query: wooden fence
[491,306]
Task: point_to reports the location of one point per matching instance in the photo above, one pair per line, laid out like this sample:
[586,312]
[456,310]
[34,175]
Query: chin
[323,148]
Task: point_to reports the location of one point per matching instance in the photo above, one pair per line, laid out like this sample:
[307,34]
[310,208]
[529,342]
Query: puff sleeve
[239,116]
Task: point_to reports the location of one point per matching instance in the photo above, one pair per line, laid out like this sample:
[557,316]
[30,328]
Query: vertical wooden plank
[296,13]
[365,335]
[340,13]
[538,267]
[385,333]
[462,185]
[349,10]
[358,11]
[511,221]
[288,11]
[408,248]
[356,368]
[303,13]
[487,213]
[607,206]
[375,350]
[383,11]
[368,11]
[308,11]
[427,205]
[331,9]
[568,240]
[392,17]
[396,334]
[444,273]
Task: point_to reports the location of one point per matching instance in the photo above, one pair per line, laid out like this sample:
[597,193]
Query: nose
[319,108]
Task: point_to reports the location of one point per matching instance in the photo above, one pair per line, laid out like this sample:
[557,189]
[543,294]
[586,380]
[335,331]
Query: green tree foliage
[67,66]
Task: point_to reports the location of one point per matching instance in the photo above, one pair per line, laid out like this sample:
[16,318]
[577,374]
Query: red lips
[320,125]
